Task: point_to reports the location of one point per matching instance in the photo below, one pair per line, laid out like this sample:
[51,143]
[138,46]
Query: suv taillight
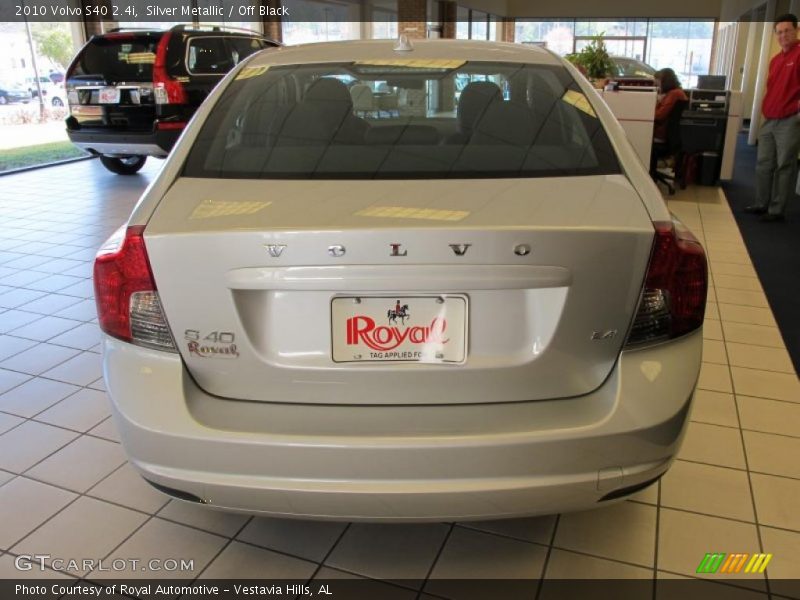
[673,300]
[166,89]
[128,306]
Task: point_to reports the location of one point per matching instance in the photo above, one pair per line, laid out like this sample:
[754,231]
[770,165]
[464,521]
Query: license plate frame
[435,329]
[108,95]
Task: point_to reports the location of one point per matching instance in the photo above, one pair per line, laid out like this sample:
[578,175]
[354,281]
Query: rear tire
[128,165]
[57,102]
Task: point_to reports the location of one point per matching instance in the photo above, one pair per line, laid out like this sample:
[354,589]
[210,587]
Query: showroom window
[384,24]
[475,25]
[684,46]
[31,128]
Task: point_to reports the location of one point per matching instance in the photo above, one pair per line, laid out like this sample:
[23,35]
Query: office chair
[672,146]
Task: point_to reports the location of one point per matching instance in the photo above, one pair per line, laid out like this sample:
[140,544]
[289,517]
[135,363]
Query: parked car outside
[474,312]
[13,93]
[131,93]
[44,84]
[632,68]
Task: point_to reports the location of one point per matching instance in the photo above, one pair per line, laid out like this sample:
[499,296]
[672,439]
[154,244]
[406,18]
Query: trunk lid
[256,297]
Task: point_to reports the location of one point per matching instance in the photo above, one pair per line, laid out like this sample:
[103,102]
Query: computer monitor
[711,82]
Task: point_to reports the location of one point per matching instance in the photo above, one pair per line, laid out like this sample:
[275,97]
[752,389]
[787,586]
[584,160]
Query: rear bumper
[116,143]
[397,463]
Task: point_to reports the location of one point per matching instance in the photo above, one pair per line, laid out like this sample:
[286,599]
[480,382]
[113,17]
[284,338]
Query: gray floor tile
[625,531]
[82,289]
[569,565]
[714,445]
[126,487]
[391,551]
[26,445]
[773,454]
[45,328]
[54,283]
[19,297]
[58,265]
[9,346]
[717,408]
[84,310]
[26,504]
[81,464]
[769,416]
[11,319]
[8,422]
[82,369]
[469,554]
[83,337]
[707,489]
[203,517]
[51,304]
[11,379]
[776,500]
[311,540]
[163,540]
[5,477]
[34,396]
[242,561]
[531,529]
[106,430]
[21,278]
[81,411]
[87,528]
[39,359]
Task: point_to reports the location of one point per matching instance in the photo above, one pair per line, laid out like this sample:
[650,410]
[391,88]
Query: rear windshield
[401,119]
[118,57]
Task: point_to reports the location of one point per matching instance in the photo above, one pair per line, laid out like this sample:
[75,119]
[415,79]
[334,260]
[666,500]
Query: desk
[635,111]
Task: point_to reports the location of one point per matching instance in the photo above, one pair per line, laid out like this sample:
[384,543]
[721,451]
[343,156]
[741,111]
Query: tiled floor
[66,490]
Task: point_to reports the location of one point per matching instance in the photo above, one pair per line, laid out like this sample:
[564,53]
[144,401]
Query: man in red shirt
[779,138]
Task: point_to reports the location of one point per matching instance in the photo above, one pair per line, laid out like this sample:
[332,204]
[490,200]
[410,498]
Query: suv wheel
[123,166]
[58,102]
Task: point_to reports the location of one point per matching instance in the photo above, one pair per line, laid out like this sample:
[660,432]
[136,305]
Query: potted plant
[594,62]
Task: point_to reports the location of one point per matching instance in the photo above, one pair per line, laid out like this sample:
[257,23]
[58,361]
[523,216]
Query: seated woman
[670,92]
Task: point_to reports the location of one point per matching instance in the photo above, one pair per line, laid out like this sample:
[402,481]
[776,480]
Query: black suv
[131,92]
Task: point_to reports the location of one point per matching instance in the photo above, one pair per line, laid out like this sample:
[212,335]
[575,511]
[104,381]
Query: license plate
[109,96]
[425,329]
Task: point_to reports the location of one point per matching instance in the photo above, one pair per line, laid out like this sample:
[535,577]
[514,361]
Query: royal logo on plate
[426,329]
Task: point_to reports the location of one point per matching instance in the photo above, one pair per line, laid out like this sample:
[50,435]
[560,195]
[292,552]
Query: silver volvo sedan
[377,281]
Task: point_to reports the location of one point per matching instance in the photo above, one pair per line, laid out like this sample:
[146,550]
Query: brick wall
[412,18]
[272,26]
[509,25]
[447,16]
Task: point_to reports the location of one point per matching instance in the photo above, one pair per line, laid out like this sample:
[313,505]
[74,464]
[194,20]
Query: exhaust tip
[180,495]
[631,489]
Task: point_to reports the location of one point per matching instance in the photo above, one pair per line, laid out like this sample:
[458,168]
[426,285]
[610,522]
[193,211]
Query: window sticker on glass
[579,101]
[248,72]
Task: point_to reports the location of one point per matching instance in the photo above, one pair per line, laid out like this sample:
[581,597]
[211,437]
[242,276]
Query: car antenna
[403,44]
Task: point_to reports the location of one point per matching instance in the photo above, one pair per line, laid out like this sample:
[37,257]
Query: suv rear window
[118,57]
[401,119]
[208,56]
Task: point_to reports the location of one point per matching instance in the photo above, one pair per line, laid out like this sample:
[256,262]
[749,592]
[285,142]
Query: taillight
[128,306]
[166,89]
[673,300]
